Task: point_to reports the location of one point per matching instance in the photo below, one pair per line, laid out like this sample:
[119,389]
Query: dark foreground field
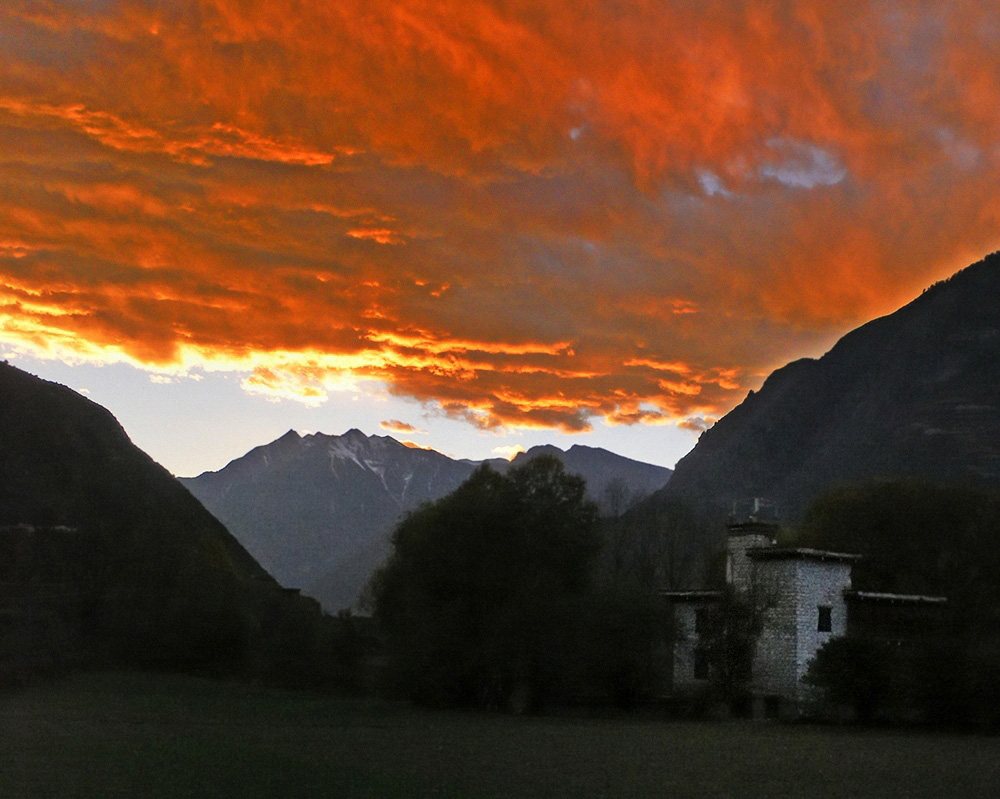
[151,736]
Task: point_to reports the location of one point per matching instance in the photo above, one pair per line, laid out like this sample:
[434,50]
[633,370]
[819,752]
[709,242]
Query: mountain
[305,505]
[107,558]
[613,481]
[317,510]
[914,393]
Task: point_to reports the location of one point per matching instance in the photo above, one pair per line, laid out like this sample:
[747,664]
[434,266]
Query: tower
[742,537]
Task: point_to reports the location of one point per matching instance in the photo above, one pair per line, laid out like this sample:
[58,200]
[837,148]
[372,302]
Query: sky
[479,225]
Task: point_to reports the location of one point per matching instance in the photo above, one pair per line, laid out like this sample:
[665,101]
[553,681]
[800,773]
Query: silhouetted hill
[914,393]
[317,510]
[108,558]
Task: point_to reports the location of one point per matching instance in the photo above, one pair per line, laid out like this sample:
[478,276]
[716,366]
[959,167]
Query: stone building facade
[800,598]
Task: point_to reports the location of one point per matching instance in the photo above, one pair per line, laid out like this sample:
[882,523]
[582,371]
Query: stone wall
[821,584]
[739,568]
[775,595]
[790,592]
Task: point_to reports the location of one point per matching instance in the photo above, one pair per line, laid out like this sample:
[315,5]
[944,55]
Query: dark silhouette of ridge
[915,393]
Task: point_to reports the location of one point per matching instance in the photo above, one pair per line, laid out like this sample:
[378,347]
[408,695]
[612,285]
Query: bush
[855,672]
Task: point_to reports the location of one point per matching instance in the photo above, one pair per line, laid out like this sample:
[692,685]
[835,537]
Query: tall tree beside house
[479,599]
[917,537]
[732,627]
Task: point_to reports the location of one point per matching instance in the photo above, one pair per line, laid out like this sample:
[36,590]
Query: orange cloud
[396,426]
[520,214]
[381,235]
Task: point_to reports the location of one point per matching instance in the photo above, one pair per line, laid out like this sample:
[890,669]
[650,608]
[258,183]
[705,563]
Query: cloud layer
[519,213]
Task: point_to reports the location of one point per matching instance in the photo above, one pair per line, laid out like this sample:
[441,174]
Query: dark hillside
[107,558]
[66,461]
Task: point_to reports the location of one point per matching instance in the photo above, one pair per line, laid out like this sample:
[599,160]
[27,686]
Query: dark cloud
[696,424]
[519,214]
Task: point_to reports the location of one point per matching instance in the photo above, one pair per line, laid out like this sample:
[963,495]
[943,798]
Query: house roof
[909,599]
[799,553]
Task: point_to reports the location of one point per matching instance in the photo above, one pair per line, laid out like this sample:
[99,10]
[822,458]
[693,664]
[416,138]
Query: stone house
[802,598]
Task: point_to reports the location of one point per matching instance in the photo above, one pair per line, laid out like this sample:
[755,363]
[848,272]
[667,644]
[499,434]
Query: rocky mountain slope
[317,510]
[914,393]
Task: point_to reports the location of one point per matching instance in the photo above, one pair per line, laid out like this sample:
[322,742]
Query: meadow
[134,735]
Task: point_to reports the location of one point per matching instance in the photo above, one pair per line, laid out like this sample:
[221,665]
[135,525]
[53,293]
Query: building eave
[898,599]
[800,553]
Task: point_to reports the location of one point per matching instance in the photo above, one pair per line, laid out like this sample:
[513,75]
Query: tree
[856,672]
[653,546]
[624,655]
[916,536]
[477,598]
[732,627]
[920,537]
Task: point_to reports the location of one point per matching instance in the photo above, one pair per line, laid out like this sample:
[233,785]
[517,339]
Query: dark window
[825,623]
[701,621]
[700,664]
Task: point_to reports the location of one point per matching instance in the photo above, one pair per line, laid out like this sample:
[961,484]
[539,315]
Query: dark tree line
[655,546]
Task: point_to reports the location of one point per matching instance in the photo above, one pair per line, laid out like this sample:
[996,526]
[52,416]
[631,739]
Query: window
[700,664]
[701,621]
[825,621]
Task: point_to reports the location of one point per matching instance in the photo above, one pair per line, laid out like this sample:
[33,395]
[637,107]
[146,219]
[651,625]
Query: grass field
[156,736]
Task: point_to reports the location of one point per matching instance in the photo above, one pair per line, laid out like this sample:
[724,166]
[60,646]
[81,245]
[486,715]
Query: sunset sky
[475,225]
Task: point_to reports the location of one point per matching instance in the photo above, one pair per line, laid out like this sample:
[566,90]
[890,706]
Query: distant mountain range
[106,558]
[317,510]
[914,393]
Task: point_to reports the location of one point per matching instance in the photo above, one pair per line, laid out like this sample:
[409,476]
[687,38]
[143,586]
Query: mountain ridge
[317,509]
[912,393]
